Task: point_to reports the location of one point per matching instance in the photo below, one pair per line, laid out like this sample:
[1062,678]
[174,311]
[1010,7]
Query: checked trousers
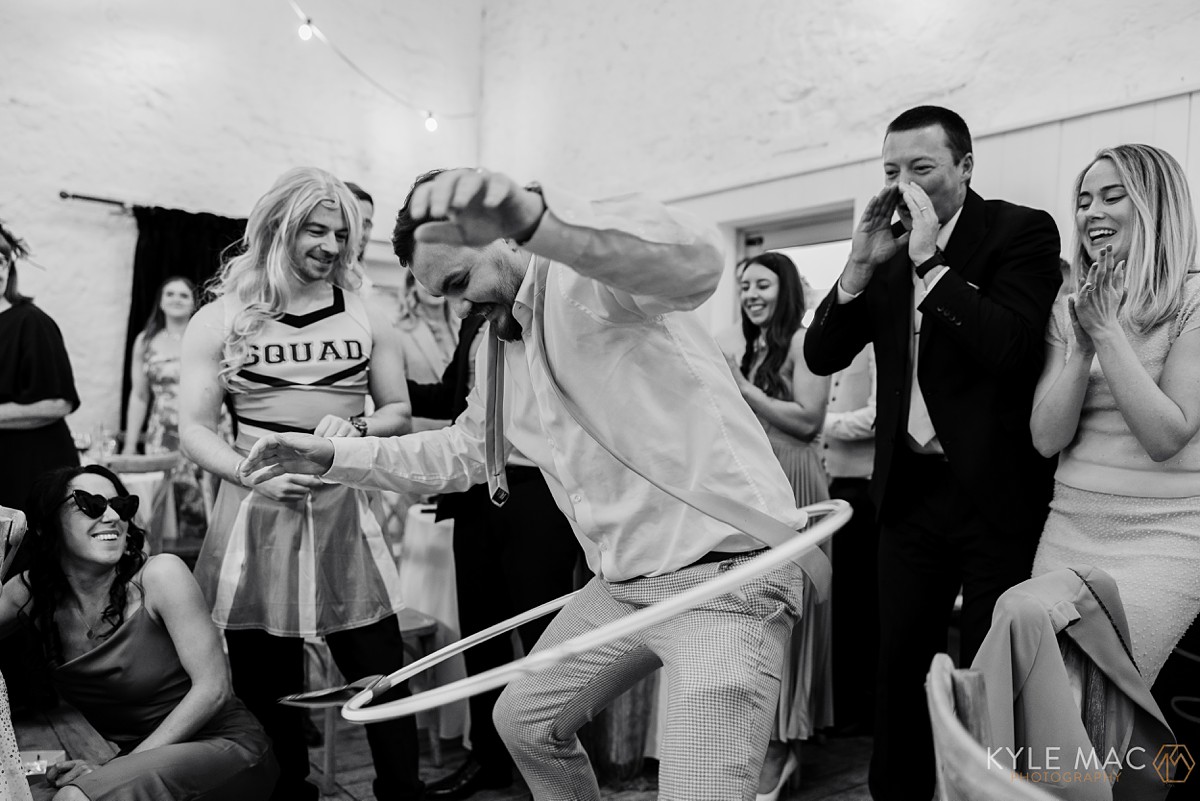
[722,663]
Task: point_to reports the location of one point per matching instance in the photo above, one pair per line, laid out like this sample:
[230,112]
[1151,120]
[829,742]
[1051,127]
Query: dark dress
[125,687]
[33,367]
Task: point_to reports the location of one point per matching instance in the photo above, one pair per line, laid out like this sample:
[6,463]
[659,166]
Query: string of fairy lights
[308,31]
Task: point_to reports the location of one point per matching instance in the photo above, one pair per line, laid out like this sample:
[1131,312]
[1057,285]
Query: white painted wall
[741,111]
[200,106]
[1034,166]
[766,109]
[680,96]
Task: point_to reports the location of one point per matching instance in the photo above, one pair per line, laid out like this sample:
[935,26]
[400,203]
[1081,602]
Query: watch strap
[536,188]
[936,260]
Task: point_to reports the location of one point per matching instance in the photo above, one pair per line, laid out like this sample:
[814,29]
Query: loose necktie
[920,427]
[494,428]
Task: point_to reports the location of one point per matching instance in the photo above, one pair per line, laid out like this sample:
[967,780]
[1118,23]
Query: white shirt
[921,288]
[651,379]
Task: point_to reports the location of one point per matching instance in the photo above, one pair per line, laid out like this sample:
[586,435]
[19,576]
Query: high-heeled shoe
[790,766]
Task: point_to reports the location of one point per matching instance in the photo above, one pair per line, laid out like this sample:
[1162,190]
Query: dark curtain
[172,242]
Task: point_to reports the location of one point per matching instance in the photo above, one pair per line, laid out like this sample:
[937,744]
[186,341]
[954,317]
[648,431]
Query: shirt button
[577,498]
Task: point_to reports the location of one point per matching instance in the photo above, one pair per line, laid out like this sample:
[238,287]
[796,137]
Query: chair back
[958,712]
[141,463]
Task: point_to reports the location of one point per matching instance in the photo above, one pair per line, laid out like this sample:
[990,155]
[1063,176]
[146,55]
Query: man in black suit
[507,559]
[955,296]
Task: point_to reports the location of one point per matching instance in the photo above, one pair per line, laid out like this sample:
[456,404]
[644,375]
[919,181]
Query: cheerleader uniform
[274,572]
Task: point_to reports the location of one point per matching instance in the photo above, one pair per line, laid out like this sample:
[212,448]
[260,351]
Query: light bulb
[305,32]
[431,123]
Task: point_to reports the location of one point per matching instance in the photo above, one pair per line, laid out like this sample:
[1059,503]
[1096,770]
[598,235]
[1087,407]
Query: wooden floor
[834,769]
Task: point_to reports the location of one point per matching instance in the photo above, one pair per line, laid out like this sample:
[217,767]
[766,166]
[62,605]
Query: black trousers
[855,608]
[266,667]
[507,560]
[932,542]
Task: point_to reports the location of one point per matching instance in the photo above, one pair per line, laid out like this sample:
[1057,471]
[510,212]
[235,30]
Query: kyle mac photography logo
[1174,758]
[1053,765]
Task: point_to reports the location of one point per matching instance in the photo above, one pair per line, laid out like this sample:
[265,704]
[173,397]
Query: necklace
[88,628]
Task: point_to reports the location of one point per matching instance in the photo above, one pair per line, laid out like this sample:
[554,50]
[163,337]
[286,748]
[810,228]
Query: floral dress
[162,363]
[13,786]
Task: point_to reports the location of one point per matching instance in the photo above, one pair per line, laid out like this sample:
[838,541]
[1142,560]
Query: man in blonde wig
[292,344]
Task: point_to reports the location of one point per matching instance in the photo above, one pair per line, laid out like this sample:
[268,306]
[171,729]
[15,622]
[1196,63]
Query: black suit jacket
[982,346]
[447,399]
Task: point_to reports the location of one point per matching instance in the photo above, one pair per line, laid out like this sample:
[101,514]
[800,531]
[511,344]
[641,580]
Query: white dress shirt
[646,372]
[921,288]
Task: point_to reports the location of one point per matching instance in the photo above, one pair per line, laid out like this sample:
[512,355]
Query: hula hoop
[837,513]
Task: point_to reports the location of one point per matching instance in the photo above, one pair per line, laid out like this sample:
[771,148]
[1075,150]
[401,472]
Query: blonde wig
[255,280]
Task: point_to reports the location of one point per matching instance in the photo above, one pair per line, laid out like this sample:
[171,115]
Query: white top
[1105,456]
[644,370]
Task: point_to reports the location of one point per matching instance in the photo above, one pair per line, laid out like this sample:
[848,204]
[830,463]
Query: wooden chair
[418,631]
[141,463]
[958,711]
[140,473]
[64,729]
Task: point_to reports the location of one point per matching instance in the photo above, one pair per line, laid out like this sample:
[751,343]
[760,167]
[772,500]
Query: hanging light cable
[309,30]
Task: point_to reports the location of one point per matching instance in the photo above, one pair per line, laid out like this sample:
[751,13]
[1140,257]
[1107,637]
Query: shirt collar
[944,234]
[526,293]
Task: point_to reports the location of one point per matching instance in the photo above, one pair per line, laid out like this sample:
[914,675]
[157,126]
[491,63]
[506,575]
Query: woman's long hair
[784,323]
[12,249]
[1162,247]
[256,278]
[157,320]
[46,581]
[409,302]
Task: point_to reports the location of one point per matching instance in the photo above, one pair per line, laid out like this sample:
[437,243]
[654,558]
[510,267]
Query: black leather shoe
[466,781]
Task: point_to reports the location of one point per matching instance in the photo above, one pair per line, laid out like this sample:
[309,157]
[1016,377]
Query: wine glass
[107,443]
[83,441]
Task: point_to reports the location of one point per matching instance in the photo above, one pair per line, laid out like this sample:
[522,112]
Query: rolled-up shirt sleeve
[660,259]
[446,460]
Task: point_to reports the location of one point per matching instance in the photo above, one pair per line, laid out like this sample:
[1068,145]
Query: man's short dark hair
[403,242]
[958,136]
[359,192]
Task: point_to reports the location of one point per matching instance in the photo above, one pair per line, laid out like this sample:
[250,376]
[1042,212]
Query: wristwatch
[360,424]
[936,260]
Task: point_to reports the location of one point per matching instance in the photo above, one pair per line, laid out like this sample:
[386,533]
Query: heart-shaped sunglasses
[93,506]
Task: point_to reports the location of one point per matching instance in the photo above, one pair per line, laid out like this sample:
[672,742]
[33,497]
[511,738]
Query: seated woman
[1119,399]
[129,642]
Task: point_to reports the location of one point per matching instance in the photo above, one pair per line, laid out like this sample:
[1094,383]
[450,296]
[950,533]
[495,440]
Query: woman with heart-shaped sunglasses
[128,640]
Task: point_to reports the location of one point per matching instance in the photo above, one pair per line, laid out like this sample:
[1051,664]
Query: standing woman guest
[429,332]
[128,642]
[37,388]
[768,364]
[1119,397]
[154,373]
